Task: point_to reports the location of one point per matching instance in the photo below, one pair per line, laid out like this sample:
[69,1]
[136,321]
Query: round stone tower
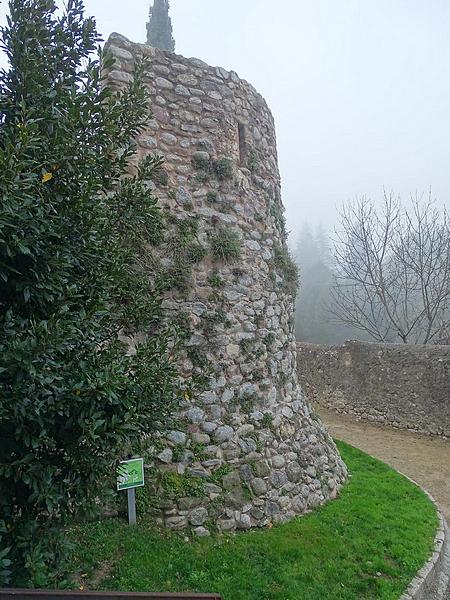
[250,451]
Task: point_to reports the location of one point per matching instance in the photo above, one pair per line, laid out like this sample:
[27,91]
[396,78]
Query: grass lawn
[369,543]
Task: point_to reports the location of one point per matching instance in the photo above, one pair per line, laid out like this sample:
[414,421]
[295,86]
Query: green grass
[369,543]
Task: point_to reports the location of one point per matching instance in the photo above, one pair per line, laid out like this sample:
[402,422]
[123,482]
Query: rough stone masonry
[403,386]
[251,451]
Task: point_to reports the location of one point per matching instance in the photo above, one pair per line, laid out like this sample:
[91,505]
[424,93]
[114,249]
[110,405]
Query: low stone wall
[407,387]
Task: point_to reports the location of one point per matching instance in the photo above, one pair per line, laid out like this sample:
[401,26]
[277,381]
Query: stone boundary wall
[406,387]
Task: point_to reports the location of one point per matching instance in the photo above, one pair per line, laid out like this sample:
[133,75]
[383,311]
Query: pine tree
[159,28]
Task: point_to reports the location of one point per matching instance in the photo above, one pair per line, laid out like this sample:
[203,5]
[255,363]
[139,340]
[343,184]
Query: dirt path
[424,459]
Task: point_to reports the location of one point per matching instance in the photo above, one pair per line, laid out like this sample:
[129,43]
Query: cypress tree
[159,28]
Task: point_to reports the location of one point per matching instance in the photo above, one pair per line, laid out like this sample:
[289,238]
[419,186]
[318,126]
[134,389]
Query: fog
[359,88]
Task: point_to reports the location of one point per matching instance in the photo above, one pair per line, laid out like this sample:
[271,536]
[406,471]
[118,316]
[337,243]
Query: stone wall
[407,387]
[250,451]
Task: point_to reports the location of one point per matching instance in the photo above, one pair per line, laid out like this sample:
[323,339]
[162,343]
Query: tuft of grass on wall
[225,245]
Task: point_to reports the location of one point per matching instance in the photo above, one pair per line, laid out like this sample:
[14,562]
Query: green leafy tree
[159,27]
[74,215]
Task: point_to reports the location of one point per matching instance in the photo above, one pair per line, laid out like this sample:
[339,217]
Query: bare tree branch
[393,270]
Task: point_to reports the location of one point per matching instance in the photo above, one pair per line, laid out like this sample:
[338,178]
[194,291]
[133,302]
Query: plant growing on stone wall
[225,245]
[247,346]
[247,402]
[184,251]
[174,485]
[267,420]
[194,253]
[252,160]
[160,177]
[211,197]
[72,400]
[223,168]
[276,210]
[287,269]
[220,473]
[212,319]
[216,281]
[201,161]
[269,339]
[257,376]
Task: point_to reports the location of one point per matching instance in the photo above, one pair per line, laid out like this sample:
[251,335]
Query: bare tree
[393,271]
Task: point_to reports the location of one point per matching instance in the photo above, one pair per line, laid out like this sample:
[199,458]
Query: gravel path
[424,459]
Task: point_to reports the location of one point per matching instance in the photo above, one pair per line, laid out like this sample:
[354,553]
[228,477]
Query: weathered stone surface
[177,437]
[189,503]
[294,472]
[163,83]
[406,387]
[176,522]
[252,432]
[226,524]
[201,532]
[278,478]
[224,433]
[166,455]
[198,516]
[231,481]
[259,486]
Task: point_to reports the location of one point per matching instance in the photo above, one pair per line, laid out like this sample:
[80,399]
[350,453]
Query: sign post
[130,475]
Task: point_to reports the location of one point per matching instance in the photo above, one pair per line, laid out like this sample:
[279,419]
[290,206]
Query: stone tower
[251,451]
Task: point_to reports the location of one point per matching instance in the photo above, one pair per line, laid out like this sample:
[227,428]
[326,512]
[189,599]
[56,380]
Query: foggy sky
[360,89]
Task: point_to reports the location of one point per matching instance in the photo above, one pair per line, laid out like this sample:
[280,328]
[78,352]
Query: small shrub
[216,281]
[252,160]
[212,319]
[287,268]
[199,451]
[195,253]
[223,168]
[160,177]
[201,177]
[219,474]
[246,346]
[198,358]
[247,402]
[225,245]
[269,339]
[211,197]
[267,420]
[200,162]
[174,485]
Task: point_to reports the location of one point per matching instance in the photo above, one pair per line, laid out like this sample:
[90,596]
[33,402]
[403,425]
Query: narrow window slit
[243,146]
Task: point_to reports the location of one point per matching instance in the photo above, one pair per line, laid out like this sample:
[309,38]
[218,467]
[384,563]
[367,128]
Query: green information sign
[130,474]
